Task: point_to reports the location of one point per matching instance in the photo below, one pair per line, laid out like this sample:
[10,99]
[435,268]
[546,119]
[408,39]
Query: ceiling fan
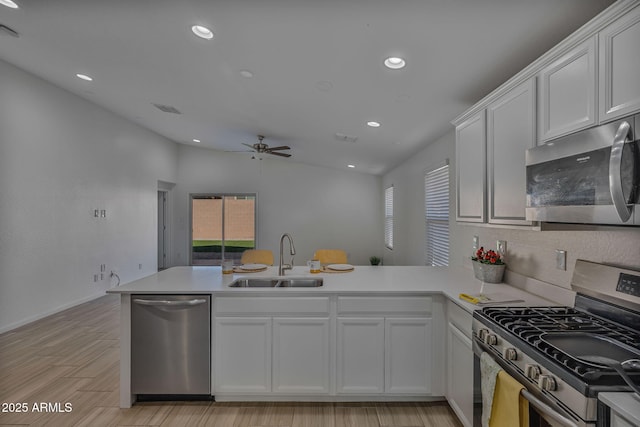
[260,147]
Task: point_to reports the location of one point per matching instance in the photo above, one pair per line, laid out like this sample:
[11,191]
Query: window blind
[388,217]
[436,200]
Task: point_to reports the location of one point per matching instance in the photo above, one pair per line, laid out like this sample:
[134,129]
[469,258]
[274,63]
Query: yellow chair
[331,256]
[257,256]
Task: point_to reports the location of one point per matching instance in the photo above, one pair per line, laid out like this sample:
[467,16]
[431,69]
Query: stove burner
[532,324]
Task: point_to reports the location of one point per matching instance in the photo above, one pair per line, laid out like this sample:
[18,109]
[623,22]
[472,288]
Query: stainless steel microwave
[589,177]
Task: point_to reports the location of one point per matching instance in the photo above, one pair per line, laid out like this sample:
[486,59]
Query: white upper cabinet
[511,130]
[567,92]
[471,144]
[619,65]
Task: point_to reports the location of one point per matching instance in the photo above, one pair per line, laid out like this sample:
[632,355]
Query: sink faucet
[282,267]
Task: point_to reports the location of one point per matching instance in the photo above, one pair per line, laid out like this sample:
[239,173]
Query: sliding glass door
[222,227]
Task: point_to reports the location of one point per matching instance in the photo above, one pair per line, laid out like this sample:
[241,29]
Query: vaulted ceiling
[304,73]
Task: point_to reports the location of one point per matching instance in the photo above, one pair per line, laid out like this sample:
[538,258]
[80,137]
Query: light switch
[561,259]
[501,247]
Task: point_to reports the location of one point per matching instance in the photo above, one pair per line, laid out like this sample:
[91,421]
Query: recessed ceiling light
[351,166]
[246,74]
[202,32]
[395,63]
[196,140]
[84,77]
[373,124]
[9,3]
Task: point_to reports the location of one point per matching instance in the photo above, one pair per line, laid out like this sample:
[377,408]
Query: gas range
[551,350]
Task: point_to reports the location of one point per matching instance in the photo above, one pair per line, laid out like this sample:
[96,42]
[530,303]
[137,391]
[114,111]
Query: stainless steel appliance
[170,345]
[591,177]
[554,351]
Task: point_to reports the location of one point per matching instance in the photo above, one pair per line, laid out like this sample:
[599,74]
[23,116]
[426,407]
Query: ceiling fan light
[202,32]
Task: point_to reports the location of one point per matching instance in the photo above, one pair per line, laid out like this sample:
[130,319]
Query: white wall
[319,207]
[61,157]
[530,253]
[408,194]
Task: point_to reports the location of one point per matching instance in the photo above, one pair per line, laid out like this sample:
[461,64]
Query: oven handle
[615,174]
[547,410]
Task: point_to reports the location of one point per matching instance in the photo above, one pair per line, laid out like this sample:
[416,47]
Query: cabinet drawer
[460,318]
[382,305]
[271,305]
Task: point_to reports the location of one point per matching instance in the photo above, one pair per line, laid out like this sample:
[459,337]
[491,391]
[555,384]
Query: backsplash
[533,253]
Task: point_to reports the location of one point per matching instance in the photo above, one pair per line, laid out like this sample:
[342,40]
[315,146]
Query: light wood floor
[73,357]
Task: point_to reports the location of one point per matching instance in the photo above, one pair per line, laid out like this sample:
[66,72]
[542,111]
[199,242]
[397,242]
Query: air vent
[8,31]
[345,138]
[167,108]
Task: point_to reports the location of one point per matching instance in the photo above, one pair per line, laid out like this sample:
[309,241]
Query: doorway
[162,230]
[222,227]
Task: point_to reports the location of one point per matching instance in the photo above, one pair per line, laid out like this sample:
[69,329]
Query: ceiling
[317,66]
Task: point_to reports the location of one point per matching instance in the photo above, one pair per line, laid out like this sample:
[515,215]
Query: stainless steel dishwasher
[170,345]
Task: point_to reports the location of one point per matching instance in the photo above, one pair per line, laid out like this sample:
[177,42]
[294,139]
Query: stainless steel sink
[264,282]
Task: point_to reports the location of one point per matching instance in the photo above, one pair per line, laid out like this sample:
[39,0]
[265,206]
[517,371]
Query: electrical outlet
[476,243]
[561,259]
[95,278]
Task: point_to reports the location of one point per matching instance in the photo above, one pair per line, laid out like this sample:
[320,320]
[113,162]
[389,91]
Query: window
[388,217]
[222,227]
[436,207]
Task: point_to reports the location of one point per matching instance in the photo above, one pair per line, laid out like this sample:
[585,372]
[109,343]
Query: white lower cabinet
[360,361]
[301,355]
[407,355]
[316,346]
[242,355]
[384,355]
[460,364]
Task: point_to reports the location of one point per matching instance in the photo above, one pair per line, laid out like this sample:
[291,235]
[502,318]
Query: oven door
[543,412]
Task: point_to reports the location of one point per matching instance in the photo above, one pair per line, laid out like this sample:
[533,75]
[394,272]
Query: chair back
[331,256]
[257,256]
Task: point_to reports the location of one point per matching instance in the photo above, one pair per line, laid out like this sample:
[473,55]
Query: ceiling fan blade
[279,154]
[282,147]
[248,145]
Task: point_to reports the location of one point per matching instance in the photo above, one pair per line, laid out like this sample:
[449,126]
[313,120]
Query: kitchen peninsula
[375,333]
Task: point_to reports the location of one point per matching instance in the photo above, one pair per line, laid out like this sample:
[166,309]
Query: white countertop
[625,404]
[364,279]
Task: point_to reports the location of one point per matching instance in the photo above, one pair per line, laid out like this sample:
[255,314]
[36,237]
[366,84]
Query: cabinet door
[471,169]
[510,132]
[301,355]
[242,351]
[360,360]
[619,65]
[460,374]
[408,355]
[568,89]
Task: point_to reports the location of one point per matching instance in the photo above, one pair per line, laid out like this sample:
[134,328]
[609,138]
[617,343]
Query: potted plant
[488,266]
[374,260]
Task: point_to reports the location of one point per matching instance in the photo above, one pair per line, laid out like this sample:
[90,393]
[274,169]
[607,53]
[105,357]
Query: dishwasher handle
[170,303]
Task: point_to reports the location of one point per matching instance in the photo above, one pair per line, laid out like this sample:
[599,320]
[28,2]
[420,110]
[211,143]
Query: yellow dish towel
[509,408]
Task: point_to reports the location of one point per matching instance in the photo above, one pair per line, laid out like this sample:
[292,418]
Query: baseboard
[31,319]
